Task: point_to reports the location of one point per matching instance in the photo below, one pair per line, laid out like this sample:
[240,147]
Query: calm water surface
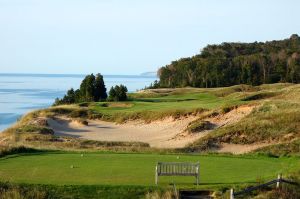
[21,93]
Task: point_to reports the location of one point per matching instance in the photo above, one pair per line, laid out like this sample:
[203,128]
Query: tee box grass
[69,168]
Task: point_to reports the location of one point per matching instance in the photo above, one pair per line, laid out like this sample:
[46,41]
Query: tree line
[229,64]
[93,89]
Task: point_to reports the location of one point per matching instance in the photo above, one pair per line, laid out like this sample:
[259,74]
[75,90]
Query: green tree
[122,93]
[91,89]
[236,63]
[100,89]
[112,94]
[118,93]
[69,97]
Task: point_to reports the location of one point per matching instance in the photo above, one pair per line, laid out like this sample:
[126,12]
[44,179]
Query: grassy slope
[161,106]
[156,104]
[276,120]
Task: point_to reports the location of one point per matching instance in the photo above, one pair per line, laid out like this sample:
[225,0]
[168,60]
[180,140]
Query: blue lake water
[22,93]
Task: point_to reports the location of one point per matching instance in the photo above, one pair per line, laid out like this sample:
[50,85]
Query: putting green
[136,169]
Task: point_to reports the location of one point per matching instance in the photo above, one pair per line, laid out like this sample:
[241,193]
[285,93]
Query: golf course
[92,149]
[137,169]
[109,99]
[223,123]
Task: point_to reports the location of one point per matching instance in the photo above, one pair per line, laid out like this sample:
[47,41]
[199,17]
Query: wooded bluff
[236,63]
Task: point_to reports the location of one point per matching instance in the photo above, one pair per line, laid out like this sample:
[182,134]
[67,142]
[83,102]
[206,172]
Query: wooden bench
[177,169]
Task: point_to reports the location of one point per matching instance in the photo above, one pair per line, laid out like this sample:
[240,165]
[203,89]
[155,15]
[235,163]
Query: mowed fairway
[136,169]
[179,102]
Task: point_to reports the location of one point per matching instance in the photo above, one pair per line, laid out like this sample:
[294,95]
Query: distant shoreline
[143,75]
[24,92]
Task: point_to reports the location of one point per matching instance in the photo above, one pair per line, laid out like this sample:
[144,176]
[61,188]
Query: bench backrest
[177,169]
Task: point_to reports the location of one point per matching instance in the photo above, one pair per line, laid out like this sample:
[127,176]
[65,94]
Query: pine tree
[91,89]
[100,89]
[122,93]
[112,94]
[118,93]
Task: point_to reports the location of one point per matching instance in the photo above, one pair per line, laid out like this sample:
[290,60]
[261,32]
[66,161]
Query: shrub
[61,110]
[35,129]
[79,113]
[84,104]
[4,151]
[199,126]
[226,109]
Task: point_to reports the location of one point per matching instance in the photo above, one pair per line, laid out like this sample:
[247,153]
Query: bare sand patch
[232,116]
[219,121]
[158,133]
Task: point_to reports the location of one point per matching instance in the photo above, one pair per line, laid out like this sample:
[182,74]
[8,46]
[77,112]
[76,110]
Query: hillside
[236,119]
[230,64]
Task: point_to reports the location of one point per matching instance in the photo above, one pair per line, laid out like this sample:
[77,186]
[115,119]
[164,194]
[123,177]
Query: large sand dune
[166,133]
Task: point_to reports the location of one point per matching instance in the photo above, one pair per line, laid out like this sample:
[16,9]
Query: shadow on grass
[29,152]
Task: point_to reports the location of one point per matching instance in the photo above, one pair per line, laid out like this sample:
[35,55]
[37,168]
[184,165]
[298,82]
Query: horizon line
[77,74]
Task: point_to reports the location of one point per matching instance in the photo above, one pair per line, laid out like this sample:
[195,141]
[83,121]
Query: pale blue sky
[130,36]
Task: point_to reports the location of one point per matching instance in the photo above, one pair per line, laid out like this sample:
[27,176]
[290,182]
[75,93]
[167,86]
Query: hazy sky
[130,36]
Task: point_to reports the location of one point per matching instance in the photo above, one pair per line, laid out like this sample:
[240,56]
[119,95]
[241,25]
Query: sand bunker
[166,133]
[157,134]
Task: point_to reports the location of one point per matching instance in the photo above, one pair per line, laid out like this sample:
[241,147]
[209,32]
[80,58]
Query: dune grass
[276,120]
